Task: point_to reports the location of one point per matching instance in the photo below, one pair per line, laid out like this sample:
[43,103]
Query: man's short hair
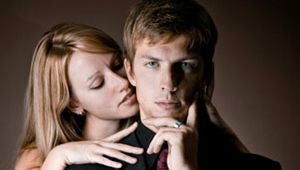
[163,20]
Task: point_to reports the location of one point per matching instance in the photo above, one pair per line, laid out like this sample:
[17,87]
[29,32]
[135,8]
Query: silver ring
[177,124]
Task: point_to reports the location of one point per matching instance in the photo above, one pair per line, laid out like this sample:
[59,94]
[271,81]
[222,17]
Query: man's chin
[176,114]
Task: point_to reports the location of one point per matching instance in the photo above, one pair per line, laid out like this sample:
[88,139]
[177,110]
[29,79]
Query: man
[170,46]
[169,49]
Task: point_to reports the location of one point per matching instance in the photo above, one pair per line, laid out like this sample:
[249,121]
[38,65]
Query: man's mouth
[168,104]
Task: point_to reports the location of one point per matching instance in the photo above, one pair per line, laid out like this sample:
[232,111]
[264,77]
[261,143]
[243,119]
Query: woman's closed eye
[97,84]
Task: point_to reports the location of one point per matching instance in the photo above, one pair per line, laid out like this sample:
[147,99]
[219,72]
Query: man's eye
[188,66]
[152,64]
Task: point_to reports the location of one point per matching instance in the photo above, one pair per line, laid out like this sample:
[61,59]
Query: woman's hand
[217,120]
[93,152]
[182,141]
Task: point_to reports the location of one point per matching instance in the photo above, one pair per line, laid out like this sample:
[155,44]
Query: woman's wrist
[56,159]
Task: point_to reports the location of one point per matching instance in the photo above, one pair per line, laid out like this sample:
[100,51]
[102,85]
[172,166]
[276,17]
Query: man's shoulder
[249,161]
[258,161]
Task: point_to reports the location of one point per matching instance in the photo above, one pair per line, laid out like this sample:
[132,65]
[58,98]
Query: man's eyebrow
[189,57]
[150,58]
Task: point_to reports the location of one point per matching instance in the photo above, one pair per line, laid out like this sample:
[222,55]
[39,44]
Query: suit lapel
[141,137]
[141,163]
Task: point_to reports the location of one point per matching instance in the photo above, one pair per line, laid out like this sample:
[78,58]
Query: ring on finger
[177,124]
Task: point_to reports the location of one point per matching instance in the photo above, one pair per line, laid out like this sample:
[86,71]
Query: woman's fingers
[111,149]
[115,154]
[93,152]
[105,161]
[121,134]
[122,147]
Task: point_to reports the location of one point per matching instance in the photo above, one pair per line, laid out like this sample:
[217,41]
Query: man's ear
[75,107]
[129,72]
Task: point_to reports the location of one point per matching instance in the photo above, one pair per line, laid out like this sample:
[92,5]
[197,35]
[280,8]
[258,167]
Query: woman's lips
[129,99]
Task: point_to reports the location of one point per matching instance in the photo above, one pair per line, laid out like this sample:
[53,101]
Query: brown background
[257,65]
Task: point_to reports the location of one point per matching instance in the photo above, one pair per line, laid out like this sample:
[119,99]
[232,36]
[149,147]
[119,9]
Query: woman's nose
[119,82]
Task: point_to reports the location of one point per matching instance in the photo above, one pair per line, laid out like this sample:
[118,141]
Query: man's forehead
[188,41]
[168,58]
[161,39]
[165,44]
[174,50]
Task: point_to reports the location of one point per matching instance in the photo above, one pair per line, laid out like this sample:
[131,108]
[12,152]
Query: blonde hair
[48,121]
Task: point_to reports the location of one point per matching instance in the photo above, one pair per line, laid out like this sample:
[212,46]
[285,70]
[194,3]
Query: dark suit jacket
[215,152]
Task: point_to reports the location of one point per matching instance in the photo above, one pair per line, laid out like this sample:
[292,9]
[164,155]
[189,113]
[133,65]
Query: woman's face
[100,85]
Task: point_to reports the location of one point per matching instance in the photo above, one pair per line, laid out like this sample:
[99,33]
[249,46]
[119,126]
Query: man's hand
[182,141]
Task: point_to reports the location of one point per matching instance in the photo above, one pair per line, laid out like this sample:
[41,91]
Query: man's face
[166,77]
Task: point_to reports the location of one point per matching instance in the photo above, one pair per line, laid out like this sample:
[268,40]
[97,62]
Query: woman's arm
[82,152]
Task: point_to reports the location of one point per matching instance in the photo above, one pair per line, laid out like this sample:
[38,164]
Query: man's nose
[169,80]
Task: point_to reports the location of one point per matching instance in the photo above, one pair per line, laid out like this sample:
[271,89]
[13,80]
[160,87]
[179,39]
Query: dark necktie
[162,160]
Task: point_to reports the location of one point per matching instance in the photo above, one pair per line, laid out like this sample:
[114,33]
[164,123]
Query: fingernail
[133,160]
[149,151]
[156,150]
[118,165]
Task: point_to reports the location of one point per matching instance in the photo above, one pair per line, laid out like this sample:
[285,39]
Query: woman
[77,98]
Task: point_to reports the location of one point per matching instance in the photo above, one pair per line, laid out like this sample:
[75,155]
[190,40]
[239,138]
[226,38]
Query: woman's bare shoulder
[29,159]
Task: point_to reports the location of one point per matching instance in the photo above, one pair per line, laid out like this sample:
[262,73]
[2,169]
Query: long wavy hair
[48,120]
